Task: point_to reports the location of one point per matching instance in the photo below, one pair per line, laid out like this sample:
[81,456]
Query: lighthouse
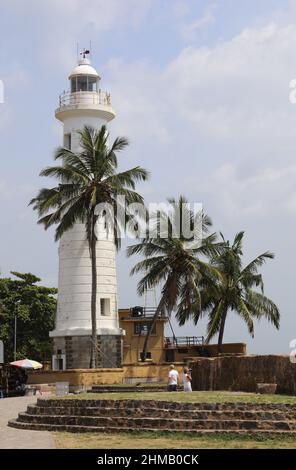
[85,104]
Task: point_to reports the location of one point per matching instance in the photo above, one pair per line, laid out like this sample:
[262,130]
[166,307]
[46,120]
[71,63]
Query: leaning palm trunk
[92,247]
[151,326]
[221,331]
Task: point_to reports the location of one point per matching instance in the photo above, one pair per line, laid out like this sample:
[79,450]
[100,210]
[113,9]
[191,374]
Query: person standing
[173,379]
[187,380]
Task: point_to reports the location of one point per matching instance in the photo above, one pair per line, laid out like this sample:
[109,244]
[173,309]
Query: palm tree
[173,262]
[86,179]
[233,290]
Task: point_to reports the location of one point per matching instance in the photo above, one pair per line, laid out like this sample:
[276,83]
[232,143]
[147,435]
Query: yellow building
[161,352]
[135,322]
[161,349]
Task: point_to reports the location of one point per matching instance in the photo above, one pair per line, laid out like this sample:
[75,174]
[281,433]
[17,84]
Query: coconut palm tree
[173,261]
[233,290]
[86,179]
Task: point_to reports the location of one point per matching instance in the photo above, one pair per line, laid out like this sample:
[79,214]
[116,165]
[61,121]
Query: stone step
[164,405]
[159,423]
[76,415]
[163,413]
[117,429]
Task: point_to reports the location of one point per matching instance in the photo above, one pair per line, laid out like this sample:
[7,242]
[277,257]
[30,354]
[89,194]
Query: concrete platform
[11,438]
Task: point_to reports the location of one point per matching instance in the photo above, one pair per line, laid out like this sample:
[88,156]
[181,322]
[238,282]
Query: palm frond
[263,307]
[246,315]
[75,213]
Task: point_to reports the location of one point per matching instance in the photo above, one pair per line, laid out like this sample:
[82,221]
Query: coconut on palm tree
[235,290]
[86,179]
[173,260]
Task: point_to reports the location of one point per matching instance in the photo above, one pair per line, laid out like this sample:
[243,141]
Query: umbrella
[27,364]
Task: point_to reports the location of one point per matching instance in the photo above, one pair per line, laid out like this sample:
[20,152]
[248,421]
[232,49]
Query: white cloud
[269,192]
[180,9]
[65,21]
[101,14]
[233,97]
[4,190]
[87,17]
[6,116]
[137,95]
[238,89]
[11,190]
[14,77]
[190,29]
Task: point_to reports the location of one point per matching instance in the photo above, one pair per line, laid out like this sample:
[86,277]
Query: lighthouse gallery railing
[86,97]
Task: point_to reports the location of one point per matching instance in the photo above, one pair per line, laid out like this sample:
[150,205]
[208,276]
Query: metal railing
[183,341]
[138,313]
[84,97]
[144,312]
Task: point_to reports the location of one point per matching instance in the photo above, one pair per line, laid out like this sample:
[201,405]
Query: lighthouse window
[82,83]
[105,307]
[73,85]
[67,141]
[92,84]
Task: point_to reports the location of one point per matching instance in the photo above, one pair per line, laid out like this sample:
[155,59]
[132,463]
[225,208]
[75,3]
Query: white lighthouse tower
[85,104]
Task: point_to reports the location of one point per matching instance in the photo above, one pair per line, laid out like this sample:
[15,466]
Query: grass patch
[194,397]
[161,440]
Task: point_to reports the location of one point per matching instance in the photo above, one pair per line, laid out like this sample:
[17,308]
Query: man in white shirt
[173,379]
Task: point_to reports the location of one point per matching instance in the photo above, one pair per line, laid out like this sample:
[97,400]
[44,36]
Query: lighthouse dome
[84,77]
[84,67]
[85,96]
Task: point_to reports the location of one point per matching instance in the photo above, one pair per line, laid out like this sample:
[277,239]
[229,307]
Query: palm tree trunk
[92,246]
[221,331]
[150,329]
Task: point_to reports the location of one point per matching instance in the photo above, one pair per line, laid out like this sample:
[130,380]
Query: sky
[201,88]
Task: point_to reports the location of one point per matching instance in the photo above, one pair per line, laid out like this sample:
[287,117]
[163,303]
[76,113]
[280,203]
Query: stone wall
[87,377]
[110,416]
[243,373]
[78,350]
[110,351]
[83,378]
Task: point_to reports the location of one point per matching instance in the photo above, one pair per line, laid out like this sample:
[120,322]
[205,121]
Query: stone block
[266,388]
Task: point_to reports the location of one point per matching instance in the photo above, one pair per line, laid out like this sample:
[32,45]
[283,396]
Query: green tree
[174,261]
[233,290]
[34,307]
[86,179]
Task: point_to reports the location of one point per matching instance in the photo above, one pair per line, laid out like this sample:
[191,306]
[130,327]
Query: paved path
[11,438]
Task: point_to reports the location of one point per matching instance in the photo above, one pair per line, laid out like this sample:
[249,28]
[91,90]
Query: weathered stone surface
[78,351]
[117,429]
[202,414]
[160,404]
[266,388]
[157,423]
[130,415]
[109,351]
[243,373]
